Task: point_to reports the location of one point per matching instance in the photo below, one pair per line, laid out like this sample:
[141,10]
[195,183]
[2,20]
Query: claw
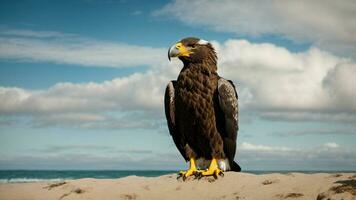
[179,175]
[218,173]
[196,174]
[213,170]
[184,178]
[221,174]
[190,172]
[199,175]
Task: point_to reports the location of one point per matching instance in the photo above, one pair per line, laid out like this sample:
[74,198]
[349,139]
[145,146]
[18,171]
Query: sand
[237,186]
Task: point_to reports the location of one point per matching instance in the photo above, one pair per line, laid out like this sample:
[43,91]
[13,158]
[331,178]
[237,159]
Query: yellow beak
[178,50]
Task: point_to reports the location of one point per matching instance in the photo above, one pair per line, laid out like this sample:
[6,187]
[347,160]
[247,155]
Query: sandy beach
[237,186]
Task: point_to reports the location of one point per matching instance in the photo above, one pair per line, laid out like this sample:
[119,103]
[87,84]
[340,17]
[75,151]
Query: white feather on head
[203,42]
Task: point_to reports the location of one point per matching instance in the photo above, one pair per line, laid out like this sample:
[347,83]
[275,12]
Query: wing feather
[228,101]
[170,108]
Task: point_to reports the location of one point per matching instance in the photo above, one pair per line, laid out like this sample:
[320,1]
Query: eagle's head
[193,50]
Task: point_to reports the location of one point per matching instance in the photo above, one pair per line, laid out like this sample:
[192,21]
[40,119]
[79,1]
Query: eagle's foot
[213,170]
[216,173]
[190,172]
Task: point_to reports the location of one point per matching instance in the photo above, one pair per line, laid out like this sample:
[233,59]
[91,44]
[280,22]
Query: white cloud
[329,156]
[311,116]
[274,150]
[136,92]
[70,103]
[253,147]
[91,157]
[57,47]
[320,131]
[58,149]
[310,85]
[137,12]
[134,101]
[68,119]
[331,145]
[329,24]
[33,34]
[340,83]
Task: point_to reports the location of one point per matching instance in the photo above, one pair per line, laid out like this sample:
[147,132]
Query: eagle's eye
[191,45]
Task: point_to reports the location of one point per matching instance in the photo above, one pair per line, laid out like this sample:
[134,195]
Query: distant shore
[237,186]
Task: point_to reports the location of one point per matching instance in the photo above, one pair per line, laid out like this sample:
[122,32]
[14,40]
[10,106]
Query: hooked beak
[173,51]
[179,50]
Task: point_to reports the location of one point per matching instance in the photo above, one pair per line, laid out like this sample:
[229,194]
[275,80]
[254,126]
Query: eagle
[202,111]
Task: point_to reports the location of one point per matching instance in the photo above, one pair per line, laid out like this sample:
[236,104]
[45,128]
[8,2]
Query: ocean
[22,176]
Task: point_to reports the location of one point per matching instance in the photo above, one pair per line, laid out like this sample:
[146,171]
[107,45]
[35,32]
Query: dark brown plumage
[201,107]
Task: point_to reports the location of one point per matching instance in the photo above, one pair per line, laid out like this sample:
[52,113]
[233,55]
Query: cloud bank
[272,81]
[251,156]
[326,24]
[329,156]
[279,84]
[62,48]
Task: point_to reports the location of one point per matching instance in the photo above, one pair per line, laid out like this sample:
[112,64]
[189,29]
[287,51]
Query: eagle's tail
[235,167]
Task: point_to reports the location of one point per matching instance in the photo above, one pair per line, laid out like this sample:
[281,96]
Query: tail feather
[235,167]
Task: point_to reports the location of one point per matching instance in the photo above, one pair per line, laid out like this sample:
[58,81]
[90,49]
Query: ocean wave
[28,180]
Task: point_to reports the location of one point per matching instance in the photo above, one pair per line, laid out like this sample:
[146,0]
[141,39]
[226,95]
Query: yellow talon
[191,171]
[213,169]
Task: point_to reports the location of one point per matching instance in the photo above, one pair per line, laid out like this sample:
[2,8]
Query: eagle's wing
[229,106]
[169,105]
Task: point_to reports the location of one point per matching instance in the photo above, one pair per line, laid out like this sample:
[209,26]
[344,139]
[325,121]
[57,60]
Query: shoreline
[48,175]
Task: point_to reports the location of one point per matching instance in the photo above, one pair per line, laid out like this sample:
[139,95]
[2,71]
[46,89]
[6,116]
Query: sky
[82,82]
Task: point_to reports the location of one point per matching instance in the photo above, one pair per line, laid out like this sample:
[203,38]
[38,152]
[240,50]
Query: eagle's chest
[195,92]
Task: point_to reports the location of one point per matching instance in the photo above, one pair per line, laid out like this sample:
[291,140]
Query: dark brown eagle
[202,111]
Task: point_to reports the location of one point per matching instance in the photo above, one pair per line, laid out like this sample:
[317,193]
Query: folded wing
[170,108]
[229,106]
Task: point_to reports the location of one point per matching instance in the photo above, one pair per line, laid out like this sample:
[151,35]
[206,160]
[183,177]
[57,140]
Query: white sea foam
[28,180]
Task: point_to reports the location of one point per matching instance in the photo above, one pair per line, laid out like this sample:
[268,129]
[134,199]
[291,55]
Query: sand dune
[237,186]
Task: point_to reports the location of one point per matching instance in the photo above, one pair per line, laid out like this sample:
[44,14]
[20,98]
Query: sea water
[19,176]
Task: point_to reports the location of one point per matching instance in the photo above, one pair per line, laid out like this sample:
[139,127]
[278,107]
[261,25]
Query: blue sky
[82,82]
